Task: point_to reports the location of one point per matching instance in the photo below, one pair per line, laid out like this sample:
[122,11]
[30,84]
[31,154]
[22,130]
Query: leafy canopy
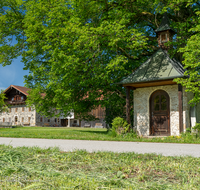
[77,50]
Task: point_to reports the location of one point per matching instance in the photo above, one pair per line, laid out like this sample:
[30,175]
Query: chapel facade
[161,105]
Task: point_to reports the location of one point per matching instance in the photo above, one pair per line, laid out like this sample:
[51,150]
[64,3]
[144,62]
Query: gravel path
[166,149]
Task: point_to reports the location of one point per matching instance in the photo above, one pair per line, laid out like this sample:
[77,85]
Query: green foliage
[120,126]
[77,51]
[191,62]
[197,128]
[3,106]
[188,130]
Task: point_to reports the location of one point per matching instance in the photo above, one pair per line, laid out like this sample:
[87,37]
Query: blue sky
[12,74]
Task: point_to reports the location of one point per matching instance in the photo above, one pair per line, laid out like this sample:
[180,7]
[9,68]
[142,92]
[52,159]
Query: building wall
[141,109]
[23,116]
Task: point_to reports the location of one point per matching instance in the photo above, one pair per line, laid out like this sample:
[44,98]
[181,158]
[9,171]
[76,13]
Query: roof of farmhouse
[21,89]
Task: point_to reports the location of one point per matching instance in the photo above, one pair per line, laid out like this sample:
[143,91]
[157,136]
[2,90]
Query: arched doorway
[159,113]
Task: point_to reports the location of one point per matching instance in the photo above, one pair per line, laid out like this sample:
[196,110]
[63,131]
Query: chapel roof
[165,24]
[158,67]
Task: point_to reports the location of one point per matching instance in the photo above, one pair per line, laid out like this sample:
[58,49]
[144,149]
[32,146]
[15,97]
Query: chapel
[161,105]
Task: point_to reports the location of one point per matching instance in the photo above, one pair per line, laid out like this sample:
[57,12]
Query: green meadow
[89,134]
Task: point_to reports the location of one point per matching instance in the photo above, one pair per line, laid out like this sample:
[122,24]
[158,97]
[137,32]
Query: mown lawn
[35,168]
[88,134]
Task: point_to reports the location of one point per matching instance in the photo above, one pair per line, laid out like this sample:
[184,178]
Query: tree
[191,54]
[77,51]
[3,106]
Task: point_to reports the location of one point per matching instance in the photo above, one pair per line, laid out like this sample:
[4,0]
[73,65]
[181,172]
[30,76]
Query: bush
[120,126]
[197,128]
[188,130]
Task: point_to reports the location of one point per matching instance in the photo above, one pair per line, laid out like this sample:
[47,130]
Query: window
[22,119]
[22,109]
[75,121]
[29,108]
[157,103]
[9,110]
[3,119]
[163,37]
[163,102]
[58,120]
[12,98]
[22,97]
[16,109]
[9,119]
[29,119]
[40,119]
[55,120]
[48,120]
[16,119]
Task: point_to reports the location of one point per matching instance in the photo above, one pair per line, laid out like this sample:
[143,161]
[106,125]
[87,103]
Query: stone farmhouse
[160,105]
[19,114]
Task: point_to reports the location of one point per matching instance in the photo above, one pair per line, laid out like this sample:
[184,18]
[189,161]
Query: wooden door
[159,114]
[64,122]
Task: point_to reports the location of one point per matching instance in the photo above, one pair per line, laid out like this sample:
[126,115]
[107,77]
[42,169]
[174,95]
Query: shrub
[197,128]
[188,130]
[120,126]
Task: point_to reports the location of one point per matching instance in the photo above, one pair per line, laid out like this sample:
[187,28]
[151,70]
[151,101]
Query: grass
[36,168]
[89,134]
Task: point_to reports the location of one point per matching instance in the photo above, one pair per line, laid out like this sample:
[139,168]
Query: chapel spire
[164,32]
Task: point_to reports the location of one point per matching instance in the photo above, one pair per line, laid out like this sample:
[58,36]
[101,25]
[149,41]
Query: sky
[12,74]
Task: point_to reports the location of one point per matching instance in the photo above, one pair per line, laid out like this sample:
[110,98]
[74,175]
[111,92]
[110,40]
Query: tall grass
[36,168]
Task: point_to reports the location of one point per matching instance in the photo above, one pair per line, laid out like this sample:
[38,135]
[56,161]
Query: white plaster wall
[141,109]
[47,121]
[20,114]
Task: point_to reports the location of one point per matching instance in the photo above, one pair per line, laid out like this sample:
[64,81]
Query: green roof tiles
[158,67]
[165,24]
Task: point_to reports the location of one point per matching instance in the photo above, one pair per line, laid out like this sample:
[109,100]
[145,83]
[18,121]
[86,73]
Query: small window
[12,98]
[16,119]
[22,97]
[40,119]
[75,121]
[29,119]
[3,119]
[29,108]
[163,37]
[22,109]
[48,120]
[58,120]
[55,120]
[16,109]
[22,119]
[9,119]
